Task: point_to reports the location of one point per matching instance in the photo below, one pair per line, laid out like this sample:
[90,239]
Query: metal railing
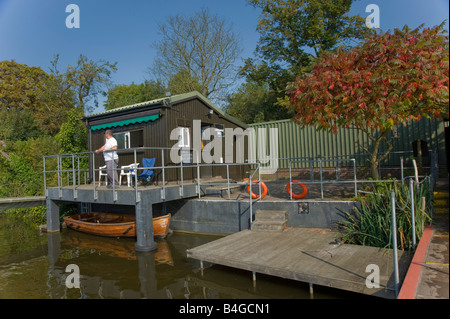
[322,182]
[317,163]
[250,184]
[74,172]
[413,184]
[73,167]
[394,243]
[362,159]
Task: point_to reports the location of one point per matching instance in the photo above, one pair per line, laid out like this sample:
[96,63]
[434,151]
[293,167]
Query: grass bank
[33,216]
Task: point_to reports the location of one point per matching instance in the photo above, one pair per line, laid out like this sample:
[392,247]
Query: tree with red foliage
[387,80]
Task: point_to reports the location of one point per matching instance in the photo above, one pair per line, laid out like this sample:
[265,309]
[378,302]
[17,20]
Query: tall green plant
[371,224]
[72,138]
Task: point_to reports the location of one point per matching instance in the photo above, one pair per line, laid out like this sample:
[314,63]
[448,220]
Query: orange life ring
[264,189]
[302,194]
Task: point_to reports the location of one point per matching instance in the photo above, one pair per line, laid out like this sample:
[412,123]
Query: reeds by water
[371,225]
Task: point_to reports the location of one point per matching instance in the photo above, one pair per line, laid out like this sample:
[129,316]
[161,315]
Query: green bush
[371,225]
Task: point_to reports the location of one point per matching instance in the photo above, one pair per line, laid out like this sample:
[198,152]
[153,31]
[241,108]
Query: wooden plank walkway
[307,255]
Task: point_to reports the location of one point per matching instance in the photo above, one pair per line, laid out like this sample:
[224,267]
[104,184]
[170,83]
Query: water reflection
[111,268]
[123,248]
[33,266]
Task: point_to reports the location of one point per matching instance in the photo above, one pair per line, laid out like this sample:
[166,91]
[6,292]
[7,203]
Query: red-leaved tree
[387,80]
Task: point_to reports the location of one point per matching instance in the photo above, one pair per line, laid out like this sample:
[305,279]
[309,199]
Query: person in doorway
[111,158]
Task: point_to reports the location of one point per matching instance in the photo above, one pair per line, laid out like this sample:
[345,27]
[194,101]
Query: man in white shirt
[111,158]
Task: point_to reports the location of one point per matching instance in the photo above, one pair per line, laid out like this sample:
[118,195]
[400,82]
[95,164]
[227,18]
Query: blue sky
[32,32]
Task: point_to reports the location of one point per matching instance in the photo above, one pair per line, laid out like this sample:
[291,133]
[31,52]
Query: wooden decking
[307,255]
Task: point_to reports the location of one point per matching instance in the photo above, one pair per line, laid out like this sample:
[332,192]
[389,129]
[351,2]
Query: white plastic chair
[127,171]
[102,172]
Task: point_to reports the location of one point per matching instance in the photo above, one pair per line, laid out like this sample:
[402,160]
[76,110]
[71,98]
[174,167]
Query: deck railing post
[78,171]
[338,171]
[394,242]
[163,190]
[401,170]
[290,178]
[73,178]
[114,172]
[45,177]
[228,180]
[59,176]
[181,175]
[250,183]
[250,199]
[93,176]
[413,218]
[321,178]
[416,172]
[311,168]
[198,176]
[354,176]
[136,193]
[259,179]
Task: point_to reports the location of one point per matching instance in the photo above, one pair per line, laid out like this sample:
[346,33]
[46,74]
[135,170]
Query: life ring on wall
[298,196]
[264,189]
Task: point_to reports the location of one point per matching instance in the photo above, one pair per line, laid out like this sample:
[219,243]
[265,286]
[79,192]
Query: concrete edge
[408,290]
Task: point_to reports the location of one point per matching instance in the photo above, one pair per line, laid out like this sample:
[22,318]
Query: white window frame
[126,140]
[184,139]
[219,130]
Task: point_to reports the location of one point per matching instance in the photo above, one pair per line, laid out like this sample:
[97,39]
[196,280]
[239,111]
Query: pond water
[33,266]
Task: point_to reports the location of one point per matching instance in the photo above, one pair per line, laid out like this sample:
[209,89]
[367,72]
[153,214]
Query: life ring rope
[297,196]
[264,189]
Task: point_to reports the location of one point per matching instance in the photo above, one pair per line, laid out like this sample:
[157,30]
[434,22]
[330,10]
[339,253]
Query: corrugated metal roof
[170,100]
[127,107]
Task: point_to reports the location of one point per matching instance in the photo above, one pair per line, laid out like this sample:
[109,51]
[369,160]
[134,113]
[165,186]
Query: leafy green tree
[253,103]
[86,80]
[122,95]
[18,125]
[292,34]
[183,82]
[27,104]
[21,86]
[72,137]
[34,106]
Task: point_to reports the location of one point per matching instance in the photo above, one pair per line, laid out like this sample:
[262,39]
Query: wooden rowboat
[114,225]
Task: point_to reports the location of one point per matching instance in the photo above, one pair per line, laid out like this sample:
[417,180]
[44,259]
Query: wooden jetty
[309,255]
